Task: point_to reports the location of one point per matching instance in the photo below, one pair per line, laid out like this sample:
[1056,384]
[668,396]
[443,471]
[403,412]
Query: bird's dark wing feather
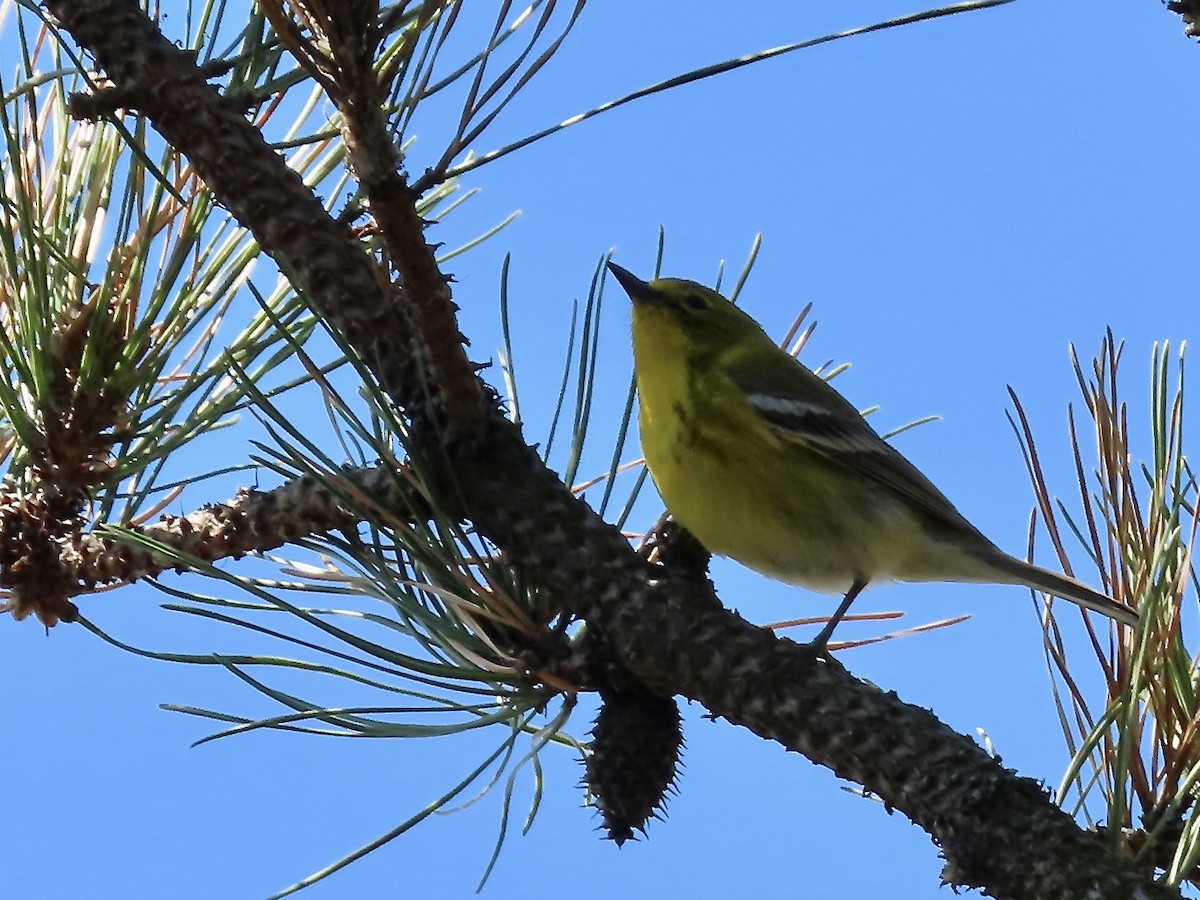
[812,415]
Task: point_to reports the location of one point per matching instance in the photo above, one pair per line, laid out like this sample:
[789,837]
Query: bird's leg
[821,642]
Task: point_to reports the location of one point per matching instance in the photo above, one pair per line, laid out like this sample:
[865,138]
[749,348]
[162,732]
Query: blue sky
[961,200]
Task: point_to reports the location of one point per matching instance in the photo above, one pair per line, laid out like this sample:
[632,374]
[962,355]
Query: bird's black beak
[638,290]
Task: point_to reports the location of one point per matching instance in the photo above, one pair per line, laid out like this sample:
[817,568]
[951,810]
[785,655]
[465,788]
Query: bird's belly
[817,530]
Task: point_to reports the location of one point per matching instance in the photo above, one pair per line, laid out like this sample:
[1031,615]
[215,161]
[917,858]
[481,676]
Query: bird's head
[672,315]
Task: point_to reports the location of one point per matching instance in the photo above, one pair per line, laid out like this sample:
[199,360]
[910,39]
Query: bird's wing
[807,412]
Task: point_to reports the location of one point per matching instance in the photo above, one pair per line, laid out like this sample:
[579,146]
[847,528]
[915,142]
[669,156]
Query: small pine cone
[635,753]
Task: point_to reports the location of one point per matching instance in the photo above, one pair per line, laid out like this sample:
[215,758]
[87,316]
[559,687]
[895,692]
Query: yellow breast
[779,509]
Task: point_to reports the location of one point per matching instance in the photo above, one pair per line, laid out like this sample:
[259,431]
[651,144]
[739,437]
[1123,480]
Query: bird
[766,463]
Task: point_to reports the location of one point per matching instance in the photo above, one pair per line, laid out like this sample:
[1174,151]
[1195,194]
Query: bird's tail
[1063,586]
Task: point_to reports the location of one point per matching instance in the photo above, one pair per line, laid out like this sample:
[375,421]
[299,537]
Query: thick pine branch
[996,830]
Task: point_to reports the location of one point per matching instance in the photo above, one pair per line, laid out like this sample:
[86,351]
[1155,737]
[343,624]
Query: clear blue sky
[961,200]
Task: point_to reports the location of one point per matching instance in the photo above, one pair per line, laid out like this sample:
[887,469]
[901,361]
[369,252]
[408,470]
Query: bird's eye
[695,301]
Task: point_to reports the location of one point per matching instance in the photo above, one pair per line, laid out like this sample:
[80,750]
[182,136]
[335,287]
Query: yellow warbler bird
[766,463]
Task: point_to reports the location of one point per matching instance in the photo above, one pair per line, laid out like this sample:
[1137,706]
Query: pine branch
[253,522]
[1189,11]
